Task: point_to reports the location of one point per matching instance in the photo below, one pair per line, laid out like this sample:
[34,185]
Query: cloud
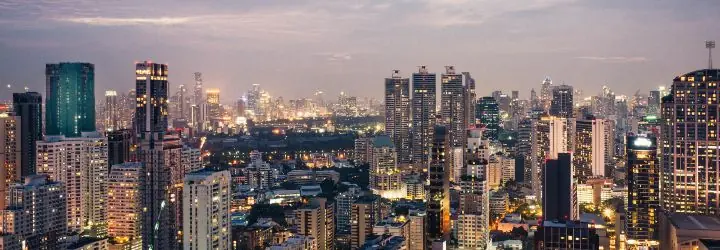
[614,59]
[449,13]
[110,21]
[336,57]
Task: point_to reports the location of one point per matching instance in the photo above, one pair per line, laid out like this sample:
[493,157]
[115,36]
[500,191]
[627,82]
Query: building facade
[206,210]
[423,115]
[70,99]
[397,115]
[28,106]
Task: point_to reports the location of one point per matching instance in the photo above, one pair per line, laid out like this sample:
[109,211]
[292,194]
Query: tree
[274,211]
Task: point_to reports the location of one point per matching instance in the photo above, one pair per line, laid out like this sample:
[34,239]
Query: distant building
[124,202]
[487,113]
[10,153]
[643,181]
[423,115]
[562,101]
[308,177]
[365,214]
[385,176]
[120,146]
[317,220]
[363,150]
[560,190]
[206,210]
[397,115]
[438,204]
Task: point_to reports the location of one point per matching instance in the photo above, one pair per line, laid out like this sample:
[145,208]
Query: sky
[294,47]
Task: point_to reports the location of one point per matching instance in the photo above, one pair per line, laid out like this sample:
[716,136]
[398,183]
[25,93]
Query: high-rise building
[124,203]
[473,217]
[344,203]
[28,106]
[253,100]
[70,99]
[592,151]
[653,101]
[112,111]
[567,235]
[81,164]
[560,190]
[423,115]
[363,149]
[397,114]
[690,144]
[546,94]
[438,202]
[120,146]
[35,212]
[385,176]
[643,180]
[452,105]
[470,99]
[562,101]
[365,214]
[10,153]
[158,223]
[487,113]
[197,92]
[550,136]
[317,219]
[206,210]
[417,229]
[213,102]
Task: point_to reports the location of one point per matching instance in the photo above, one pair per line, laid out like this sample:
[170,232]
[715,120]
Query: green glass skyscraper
[70,93]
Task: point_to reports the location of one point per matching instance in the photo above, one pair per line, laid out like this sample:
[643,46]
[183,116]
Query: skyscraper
[470,99]
[643,190]
[213,102]
[474,210]
[206,210]
[562,101]
[689,139]
[452,106]
[317,219]
[158,228]
[70,99]
[120,146]
[10,153]
[112,111]
[397,114]
[28,106]
[198,93]
[546,94]
[488,114]
[385,176]
[81,164]
[423,115]
[591,148]
[560,190]
[438,202]
[365,214]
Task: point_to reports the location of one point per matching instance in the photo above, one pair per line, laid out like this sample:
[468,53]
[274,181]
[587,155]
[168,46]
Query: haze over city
[294,47]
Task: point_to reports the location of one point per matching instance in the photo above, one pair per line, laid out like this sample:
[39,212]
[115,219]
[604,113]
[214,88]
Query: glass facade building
[70,103]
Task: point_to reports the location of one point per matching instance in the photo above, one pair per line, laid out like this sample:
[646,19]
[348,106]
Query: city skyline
[347,47]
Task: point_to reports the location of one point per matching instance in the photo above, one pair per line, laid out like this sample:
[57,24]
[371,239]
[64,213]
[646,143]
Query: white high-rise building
[206,210]
[35,212]
[385,176]
[592,150]
[81,164]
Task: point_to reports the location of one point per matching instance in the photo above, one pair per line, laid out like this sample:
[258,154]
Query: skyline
[292,48]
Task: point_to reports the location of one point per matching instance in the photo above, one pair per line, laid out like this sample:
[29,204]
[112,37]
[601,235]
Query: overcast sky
[293,47]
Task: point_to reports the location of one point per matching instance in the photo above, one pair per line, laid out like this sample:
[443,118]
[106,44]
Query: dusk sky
[293,47]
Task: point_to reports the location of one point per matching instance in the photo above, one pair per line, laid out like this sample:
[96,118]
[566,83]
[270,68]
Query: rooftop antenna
[422,69]
[710,44]
[396,73]
[450,70]
[27,89]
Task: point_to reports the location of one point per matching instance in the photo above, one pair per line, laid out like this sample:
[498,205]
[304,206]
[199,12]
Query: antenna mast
[710,45]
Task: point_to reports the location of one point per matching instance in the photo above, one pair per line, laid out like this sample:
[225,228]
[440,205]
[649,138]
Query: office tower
[35,212]
[423,115]
[213,102]
[560,190]
[317,219]
[365,214]
[643,180]
[438,203]
[689,144]
[240,107]
[28,106]
[10,153]
[452,105]
[591,148]
[258,172]
[120,146]
[198,93]
[385,176]
[344,203]
[158,224]
[524,147]
[181,103]
[397,114]
[70,99]
[546,94]
[534,100]
[206,210]
[112,111]
[124,203]
[81,164]
[487,112]
[550,136]
[562,101]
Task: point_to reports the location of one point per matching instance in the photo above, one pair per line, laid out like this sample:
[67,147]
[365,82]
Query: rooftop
[710,74]
[695,222]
